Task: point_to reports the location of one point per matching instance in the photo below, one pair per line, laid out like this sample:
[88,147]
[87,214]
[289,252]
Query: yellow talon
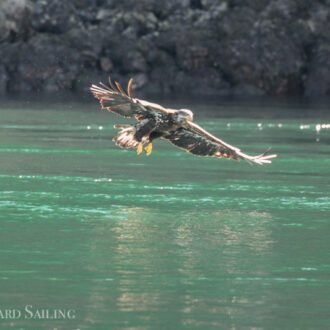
[148,149]
[139,148]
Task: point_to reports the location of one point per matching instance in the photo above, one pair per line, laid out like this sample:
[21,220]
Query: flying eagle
[155,121]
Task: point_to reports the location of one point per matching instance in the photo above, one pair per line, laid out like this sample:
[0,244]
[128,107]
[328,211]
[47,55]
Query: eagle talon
[139,148]
[148,149]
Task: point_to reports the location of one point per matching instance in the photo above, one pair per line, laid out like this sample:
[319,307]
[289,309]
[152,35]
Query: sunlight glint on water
[169,240]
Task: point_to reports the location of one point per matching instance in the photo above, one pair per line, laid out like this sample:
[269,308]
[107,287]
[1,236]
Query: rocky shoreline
[209,47]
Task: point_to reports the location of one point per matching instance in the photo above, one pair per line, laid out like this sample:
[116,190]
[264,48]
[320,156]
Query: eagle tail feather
[126,137]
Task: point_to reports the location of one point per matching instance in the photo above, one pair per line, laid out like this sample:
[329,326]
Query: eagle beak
[184,115]
[189,118]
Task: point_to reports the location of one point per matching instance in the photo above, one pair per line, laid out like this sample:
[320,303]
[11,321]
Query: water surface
[168,241]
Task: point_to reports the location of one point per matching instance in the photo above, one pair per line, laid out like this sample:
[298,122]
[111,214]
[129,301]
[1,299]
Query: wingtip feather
[129,87]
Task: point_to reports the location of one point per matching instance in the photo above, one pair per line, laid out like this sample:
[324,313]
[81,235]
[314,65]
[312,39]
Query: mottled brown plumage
[155,121]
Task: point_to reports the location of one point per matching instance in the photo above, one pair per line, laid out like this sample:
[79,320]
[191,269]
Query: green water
[169,241]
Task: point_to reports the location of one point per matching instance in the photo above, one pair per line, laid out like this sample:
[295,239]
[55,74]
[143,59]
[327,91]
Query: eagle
[155,121]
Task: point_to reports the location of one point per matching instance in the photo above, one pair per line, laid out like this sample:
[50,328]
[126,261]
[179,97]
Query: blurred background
[209,47]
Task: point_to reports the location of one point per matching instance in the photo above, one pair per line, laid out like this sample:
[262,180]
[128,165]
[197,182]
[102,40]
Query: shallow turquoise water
[168,241]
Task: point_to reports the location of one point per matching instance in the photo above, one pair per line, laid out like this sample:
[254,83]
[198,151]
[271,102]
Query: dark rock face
[3,80]
[46,63]
[210,47]
[318,78]
[53,16]
[15,19]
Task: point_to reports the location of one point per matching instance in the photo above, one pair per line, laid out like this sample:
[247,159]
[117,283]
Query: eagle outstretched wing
[194,139]
[113,98]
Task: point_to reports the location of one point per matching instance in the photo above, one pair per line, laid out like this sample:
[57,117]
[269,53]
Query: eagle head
[183,115]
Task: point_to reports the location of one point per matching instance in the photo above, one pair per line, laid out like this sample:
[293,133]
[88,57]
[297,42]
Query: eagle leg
[148,149]
[139,148]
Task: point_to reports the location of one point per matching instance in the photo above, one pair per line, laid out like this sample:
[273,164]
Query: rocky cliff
[209,47]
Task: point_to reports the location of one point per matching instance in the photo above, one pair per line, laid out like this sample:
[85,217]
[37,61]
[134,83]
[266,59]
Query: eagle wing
[113,98]
[194,139]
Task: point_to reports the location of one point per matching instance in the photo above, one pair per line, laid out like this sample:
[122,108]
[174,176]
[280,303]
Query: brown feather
[111,84]
[129,87]
[110,108]
[105,86]
[120,89]
[138,117]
